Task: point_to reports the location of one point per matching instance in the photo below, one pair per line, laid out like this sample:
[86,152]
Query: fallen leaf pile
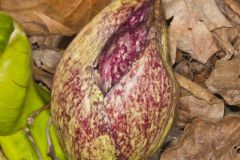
[227,84]
[198,28]
[203,140]
[44,17]
[204,41]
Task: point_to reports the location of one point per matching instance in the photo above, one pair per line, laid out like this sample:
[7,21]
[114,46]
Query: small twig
[51,151]
[32,117]
[30,121]
[30,137]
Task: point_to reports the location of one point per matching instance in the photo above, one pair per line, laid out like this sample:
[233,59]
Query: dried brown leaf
[202,105]
[43,77]
[234,5]
[197,90]
[201,72]
[200,79]
[191,108]
[203,140]
[198,67]
[190,29]
[231,9]
[225,37]
[237,45]
[184,68]
[228,36]
[225,80]
[47,59]
[44,17]
[46,41]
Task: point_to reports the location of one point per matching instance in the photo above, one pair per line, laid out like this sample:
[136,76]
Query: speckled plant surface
[114,92]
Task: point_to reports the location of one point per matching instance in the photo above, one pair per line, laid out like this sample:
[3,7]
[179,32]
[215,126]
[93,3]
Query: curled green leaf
[15,73]
[6,28]
[20,97]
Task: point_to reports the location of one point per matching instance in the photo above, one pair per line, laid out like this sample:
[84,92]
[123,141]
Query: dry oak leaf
[225,80]
[231,9]
[43,77]
[196,89]
[184,68]
[203,140]
[197,103]
[191,107]
[190,29]
[47,59]
[234,5]
[227,36]
[44,17]
[237,44]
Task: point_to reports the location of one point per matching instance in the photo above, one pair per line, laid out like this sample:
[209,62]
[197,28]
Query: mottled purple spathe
[124,93]
[124,49]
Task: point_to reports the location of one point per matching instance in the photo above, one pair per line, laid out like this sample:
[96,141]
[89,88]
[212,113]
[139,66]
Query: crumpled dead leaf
[230,38]
[190,29]
[47,59]
[45,41]
[197,103]
[225,37]
[44,17]
[234,6]
[237,45]
[44,78]
[200,79]
[225,80]
[195,89]
[45,63]
[184,68]
[201,72]
[208,141]
[47,51]
[231,9]
[198,67]
[191,108]
[193,70]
